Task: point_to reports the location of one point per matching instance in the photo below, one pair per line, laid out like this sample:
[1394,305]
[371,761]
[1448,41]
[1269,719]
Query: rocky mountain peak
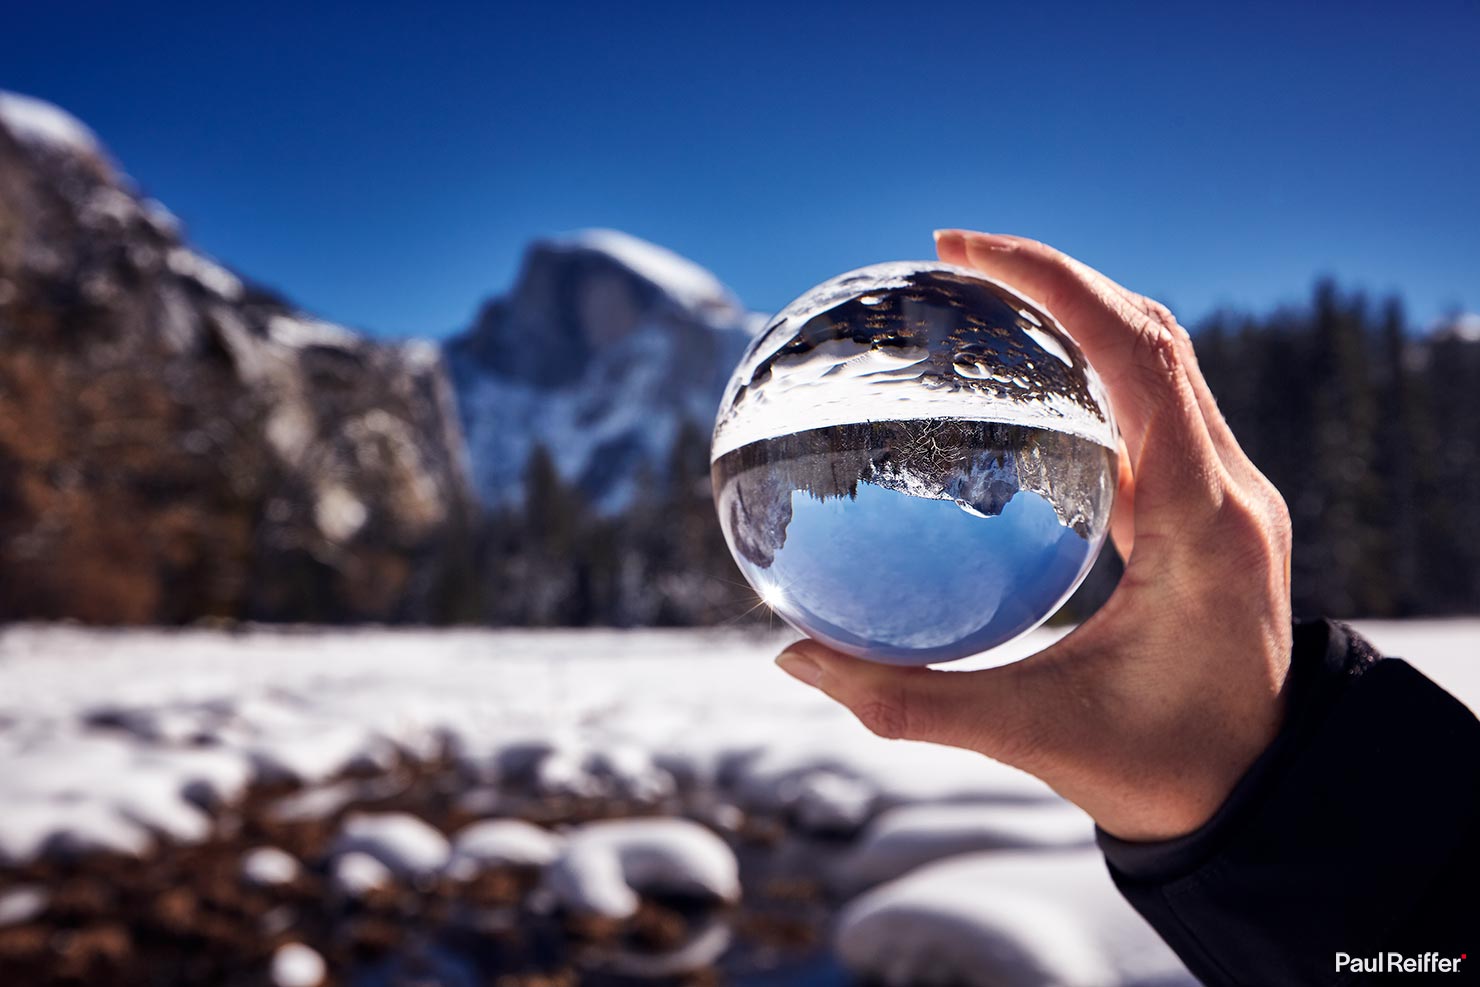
[604,346]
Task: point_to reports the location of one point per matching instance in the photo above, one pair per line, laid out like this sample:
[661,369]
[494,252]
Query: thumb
[960,709]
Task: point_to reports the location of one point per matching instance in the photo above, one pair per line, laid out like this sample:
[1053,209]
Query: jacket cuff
[1325,657]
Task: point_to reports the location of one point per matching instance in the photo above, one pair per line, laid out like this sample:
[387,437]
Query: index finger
[1138,357]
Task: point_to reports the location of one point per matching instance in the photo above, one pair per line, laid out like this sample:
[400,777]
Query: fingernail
[949,236]
[993,241]
[799,666]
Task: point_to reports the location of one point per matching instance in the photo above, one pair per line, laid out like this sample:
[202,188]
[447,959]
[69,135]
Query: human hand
[1147,714]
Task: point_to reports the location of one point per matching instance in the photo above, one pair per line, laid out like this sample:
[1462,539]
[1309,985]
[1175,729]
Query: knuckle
[1255,525]
[1157,349]
[1157,363]
[884,715]
[1279,517]
[1160,313]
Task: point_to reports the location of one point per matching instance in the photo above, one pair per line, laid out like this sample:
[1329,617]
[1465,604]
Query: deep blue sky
[384,165]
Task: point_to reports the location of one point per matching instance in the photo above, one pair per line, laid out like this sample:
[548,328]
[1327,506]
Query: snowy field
[597,785]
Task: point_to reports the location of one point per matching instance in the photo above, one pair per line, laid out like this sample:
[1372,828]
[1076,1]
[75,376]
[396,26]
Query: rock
[176,443]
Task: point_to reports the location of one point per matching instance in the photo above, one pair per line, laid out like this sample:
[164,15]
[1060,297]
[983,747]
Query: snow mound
[267,866]
[1005,920]
[907,837]
[501,843]
[296,965]
[41,124]
[606,865]
[402,842]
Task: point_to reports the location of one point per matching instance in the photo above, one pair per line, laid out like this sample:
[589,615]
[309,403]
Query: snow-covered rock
[399,840]
[605,866]
[356,874]
[296,965]
[907,837]
[500,843]
[317,752]
[603,349]
[1005,920]
[829,802]
[629,771]
[22,903]
[267,866]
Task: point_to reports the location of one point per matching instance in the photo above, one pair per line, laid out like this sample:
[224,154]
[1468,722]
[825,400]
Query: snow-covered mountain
[603,349]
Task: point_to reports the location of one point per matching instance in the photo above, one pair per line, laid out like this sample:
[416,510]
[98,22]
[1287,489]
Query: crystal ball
[914,463]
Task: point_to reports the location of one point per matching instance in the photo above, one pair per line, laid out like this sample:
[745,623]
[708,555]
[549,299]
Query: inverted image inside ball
[913,463]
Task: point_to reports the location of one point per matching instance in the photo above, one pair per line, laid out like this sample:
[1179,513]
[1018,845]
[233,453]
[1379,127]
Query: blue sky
[385,164]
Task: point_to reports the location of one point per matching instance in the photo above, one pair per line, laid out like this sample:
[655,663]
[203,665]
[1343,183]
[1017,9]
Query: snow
[62,828]
[662,362]
[605,865]
[268,866]
[22,903]
[205,272]
[121,740]
[826,801]
[402,842]
[41,124]
[910,836]
[500,843]
[297,332]
[356,874]
[109,738]
[316,752]
[690,284]
[322,801]
[82,792]
[633,394]
[296,965]
[1005,920]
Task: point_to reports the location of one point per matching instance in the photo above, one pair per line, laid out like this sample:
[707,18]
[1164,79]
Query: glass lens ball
[914,463]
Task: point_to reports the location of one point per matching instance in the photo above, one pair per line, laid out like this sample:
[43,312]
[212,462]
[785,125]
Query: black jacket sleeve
[1356,832]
